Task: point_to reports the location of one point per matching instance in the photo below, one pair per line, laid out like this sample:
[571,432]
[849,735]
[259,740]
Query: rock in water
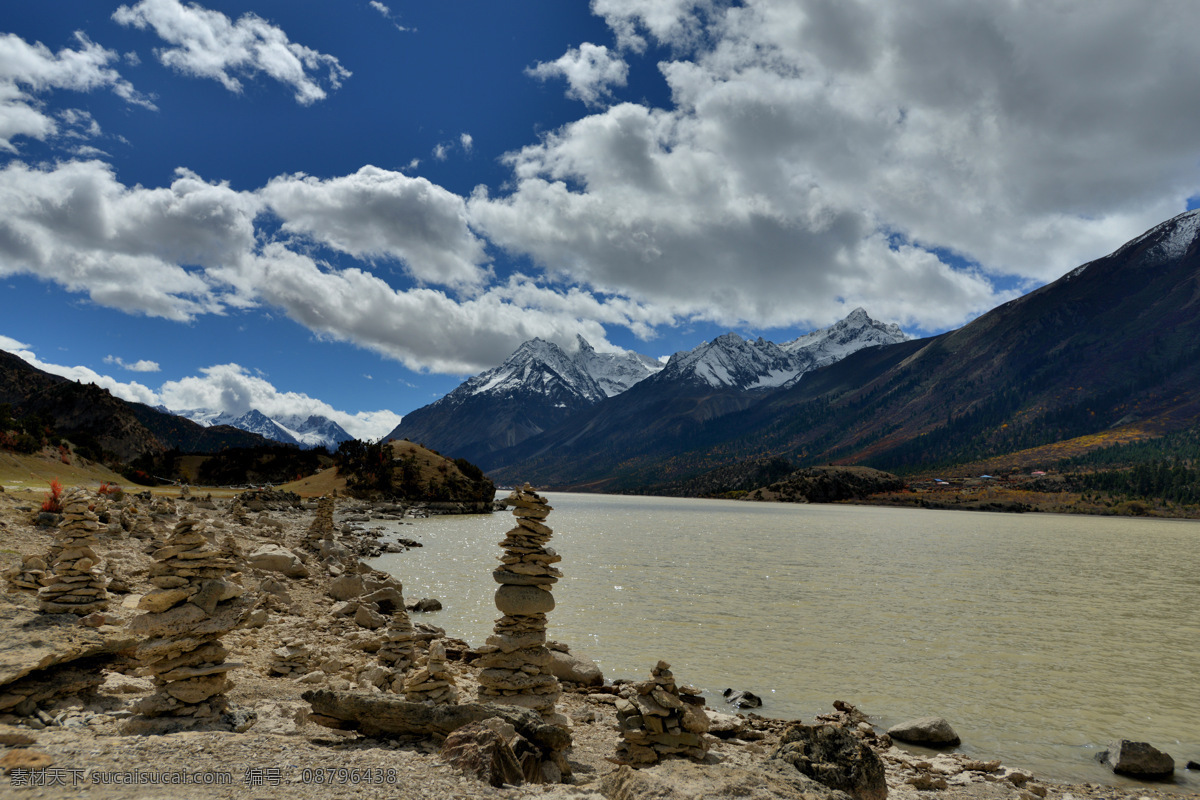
[1136,758]
[928,731]
[831,755]
[515,662]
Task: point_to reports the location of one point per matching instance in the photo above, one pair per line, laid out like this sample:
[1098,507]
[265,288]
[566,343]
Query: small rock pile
[658,718]
[432,682]
[137,522]
[516,663]
[196,600]
[28,576]
[73,582]
[291,659]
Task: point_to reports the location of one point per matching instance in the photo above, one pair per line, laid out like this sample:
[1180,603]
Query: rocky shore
[243,646]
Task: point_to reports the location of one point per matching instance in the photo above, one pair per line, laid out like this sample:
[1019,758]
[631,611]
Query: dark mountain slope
[123,430]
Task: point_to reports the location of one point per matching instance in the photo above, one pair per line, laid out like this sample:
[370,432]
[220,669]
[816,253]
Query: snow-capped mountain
[536,387]
[730,360]
[304,432]
[613,372]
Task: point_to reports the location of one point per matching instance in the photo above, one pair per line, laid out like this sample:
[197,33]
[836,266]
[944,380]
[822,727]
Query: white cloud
[141,365]
[467,141]
[378,213]
[28,70]
[440,151]
[380,7]
[589,71]
[804,137]
[208,44]
[76,225]
[231,389]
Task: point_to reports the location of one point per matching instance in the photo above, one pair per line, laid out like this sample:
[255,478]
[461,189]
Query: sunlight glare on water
[1040,637]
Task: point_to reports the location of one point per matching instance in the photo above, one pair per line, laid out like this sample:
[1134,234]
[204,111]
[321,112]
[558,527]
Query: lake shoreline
[85,731]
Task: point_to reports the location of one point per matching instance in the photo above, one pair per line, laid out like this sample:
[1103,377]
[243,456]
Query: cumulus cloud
[378,213]
[231,389]
[467,141]
[818,153]
[29,70]
[208,44]
[77,225]
[589,70]
[141,365]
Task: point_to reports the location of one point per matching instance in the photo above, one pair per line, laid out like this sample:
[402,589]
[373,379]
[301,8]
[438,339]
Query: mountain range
[1114,345]
[304,432]
[541,386]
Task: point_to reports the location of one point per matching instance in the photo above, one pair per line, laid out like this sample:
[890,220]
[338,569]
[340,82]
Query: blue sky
[347,208]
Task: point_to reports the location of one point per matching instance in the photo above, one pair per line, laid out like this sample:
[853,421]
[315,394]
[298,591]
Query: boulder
[568,667]
[347,587]
[1136,758]
[482,752]
[740,698]
[426,604]
[833,756]
[927,731]
[273,558]
[686,780]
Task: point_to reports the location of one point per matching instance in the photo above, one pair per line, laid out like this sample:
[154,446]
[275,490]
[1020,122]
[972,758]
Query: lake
[1040,637]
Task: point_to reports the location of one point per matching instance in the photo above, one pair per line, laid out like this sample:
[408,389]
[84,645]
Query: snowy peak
[828,345]
[305,432]
[543,368]
[537,367]
[1168,241]
[614,372]
[730,360]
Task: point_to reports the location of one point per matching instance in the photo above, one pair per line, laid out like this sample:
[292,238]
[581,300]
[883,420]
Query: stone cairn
[322,524]
[195,601]
[399,642]
[73,582]
[516,663]
[291,659]
[658,718]
[432,682]
[28,576]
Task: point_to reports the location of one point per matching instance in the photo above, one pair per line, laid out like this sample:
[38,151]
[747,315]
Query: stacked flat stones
[658,718]
[28,576]
[432,681]
[195,601]
[516,662]
[322,525]
[291,659]
[398,648]
[73,582]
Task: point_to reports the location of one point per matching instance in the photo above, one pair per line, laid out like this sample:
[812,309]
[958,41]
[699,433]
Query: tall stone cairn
[196,600]
[516,662]
[74,582]
[322,524]
[658,718]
